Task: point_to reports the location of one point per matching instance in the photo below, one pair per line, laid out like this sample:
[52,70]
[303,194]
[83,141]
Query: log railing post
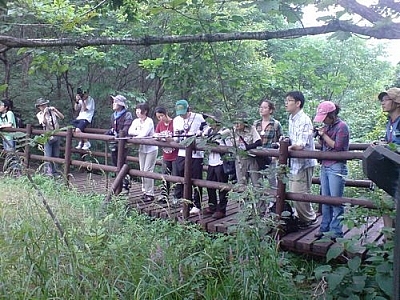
[282,173]
[68,153]
[27,151]
[187,181]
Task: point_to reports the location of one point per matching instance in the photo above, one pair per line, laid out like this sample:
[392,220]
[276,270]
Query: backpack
[19,122]
[289,219]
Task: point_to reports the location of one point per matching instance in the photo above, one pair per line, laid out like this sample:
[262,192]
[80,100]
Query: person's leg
[212,193]
[149,163]
[326,209]
[197,173]
[48,149]
[56,153]
[336,175]
[178,170]
[301,183]
[142,161]
[223,194]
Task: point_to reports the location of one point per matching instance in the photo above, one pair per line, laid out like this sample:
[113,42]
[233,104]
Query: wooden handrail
[283,154]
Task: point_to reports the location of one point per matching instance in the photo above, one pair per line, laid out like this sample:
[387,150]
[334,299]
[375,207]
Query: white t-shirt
[142,129]
[190,126]
[87,114]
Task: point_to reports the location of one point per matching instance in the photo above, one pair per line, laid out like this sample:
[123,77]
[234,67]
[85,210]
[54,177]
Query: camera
[316,132]
[79,91]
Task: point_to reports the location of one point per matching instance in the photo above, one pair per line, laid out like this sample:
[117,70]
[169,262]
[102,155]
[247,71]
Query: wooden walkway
[302,241]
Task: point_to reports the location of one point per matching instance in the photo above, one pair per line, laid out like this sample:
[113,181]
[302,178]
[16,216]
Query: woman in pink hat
[334,136]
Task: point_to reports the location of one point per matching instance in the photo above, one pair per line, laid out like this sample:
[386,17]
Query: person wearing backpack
[7,120]
[121,120]
[48,117]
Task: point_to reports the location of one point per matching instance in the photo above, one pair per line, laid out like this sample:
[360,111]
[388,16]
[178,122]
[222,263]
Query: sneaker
[319,235]
[124,192]
[86,146]
[194,210]
[218,215]
[79,146]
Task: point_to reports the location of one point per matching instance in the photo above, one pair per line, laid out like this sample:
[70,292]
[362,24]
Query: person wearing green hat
[48,118]
[186,124]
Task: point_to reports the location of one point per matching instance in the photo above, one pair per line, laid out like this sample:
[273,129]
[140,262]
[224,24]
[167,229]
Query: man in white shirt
[84,103]
[301,169]
[186,124]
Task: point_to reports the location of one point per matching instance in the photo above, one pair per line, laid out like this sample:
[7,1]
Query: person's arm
[127,124]
[56,112]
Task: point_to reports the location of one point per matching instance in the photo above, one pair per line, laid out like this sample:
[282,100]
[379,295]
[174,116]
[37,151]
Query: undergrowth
[118,254]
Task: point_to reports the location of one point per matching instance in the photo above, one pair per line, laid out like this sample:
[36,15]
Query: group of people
[332,134]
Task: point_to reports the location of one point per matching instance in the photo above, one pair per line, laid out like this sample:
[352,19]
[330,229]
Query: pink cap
[323,109]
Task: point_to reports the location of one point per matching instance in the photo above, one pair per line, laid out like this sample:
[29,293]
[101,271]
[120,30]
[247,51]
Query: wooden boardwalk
[302,241]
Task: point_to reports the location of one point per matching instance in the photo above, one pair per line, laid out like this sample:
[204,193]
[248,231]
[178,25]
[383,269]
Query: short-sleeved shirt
[87,114]
[393,131]
[339,132]
[270,134]
[169,154]
[8,118]
[189,126]
[301,134]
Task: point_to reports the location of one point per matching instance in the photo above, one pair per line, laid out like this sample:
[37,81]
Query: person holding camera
[187,124]
[334,136]
[85,104]
[48,118]
[121,120]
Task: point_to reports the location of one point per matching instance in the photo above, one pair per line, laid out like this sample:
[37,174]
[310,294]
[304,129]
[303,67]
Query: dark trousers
[197,173]
[167,167]
[216,173]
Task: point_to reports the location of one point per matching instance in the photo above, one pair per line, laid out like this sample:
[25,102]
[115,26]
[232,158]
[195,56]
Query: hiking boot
[218,215]
[86,146]
[125,191]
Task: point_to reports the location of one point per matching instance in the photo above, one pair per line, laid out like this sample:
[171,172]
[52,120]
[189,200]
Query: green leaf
[354,263]
[334,280]
[321,271]
[385,282]
[334,251]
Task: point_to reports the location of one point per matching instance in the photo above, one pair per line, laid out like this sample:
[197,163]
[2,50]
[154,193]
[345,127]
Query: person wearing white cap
[334,136]
[85,104]
[121,120]
[48,117]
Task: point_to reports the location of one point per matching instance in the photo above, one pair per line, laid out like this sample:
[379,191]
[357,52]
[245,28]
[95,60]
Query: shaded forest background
[231,75]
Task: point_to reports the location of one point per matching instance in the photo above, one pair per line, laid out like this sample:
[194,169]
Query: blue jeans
[9,145]
[52,149]
[332,184]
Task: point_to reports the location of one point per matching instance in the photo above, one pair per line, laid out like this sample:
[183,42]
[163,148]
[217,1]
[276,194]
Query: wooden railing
[282,154]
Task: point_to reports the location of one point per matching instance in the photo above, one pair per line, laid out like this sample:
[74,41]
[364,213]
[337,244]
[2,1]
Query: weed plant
[118,254]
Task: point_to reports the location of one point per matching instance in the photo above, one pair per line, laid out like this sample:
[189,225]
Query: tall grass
[118,254]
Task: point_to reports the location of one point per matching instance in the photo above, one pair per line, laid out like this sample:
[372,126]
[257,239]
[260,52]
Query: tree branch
[387,31]
[361,10]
